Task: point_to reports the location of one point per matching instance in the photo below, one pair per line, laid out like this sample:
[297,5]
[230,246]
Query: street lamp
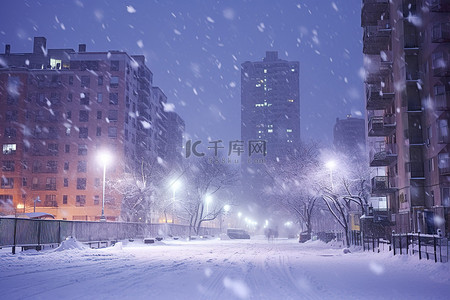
[175,186]
[331,165]
[208,199]
[36,200]
[104,157]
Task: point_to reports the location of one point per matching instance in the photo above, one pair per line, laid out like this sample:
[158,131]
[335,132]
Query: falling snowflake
[131,9]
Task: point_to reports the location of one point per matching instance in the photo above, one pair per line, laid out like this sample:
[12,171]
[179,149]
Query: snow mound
[118,246]
[71,243]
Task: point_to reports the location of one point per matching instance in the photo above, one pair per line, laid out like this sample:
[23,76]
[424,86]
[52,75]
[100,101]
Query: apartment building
[407,57]
[60,109]
[349,136]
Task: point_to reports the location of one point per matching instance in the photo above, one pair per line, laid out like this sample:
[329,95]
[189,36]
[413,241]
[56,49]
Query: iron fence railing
[17,232]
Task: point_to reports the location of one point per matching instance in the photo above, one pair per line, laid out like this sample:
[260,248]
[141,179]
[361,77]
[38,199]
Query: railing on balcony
[413,75]
[382,184]
[376,39]
[443,71]
[444,166]
[442,101]
[374,10]
[440,5]
[382,125]
[441,33]
[378,98]
[383,154]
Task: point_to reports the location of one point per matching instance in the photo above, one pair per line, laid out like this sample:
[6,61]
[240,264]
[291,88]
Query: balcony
[382,185]
[440,6]
[376,38]
[373,11]
[383,155]
[441,33]
[444,165]
[378,98]
[416,169]
[443,71]
[382,125]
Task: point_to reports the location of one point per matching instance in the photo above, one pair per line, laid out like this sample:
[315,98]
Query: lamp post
[175,186]
[104,158]
[331,165]
[208,199]
[35,200]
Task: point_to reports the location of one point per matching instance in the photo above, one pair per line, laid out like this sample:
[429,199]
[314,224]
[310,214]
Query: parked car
[234,233]
[303,237]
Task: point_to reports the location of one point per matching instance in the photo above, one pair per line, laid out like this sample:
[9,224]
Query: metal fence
[426,246]
[27,232]
[433,247]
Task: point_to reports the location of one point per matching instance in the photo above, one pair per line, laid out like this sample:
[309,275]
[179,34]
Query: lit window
[292,70]
[265,70]
[9,149]
[289,130]
[269,130]
[55,63]
[290,100]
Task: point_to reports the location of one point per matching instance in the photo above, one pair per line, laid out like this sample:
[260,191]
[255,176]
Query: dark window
[99,131]
[50,201]
[8,166]
[97,182]
[82,166]
[99,97]
[67,148]
[10,132]
[84,116]
[114,65]
[96,200]
[113,115]
[81,183]
[50,184]
[52,166]
[84,98]
[53,149]
[81,200]
[113,98]
[24,181]
[69,97]
[64,199]
[82,150]
[66,182]
[85,81]
[66,165]
[11,115]
[99,114]
[100,80]
[69,115]
[112,132]
[83,133]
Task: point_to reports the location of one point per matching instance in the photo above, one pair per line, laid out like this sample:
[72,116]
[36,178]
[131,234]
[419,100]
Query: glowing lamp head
[104,157]
[330,164]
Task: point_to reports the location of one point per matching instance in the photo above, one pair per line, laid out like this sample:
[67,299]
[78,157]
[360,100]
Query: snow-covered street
[219,269]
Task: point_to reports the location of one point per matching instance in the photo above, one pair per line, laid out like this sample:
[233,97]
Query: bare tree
[293,184]
[350,185]
[140,188]
[206,178]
